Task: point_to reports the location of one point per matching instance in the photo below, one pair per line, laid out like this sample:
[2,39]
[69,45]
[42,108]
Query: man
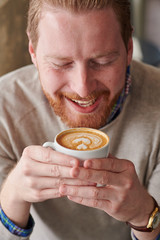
[82,51]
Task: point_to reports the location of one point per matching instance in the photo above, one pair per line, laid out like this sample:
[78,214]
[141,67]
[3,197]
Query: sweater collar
[120,102]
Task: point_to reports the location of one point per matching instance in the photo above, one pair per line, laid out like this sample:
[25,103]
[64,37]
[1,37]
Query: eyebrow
[61,58]
[107,54]
[47,57]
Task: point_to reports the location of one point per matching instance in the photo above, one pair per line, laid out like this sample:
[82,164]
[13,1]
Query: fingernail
[74,163]
[63,189]
[75,172]
[88,164]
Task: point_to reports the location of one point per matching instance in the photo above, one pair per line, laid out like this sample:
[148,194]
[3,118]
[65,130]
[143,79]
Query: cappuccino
[82,139]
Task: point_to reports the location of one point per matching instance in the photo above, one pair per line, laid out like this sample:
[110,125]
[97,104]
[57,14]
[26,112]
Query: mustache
[94,95]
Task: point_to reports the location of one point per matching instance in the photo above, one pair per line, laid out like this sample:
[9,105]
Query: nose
[82,80]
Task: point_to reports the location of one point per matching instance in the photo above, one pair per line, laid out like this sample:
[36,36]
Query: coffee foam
[82,140]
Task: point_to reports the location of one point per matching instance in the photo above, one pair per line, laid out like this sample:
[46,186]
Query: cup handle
[49,144]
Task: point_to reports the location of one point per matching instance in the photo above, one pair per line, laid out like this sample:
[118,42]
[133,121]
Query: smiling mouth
[87,104]
[84,103]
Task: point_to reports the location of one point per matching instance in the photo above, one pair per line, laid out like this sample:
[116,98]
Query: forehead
[60,14]
[59,27]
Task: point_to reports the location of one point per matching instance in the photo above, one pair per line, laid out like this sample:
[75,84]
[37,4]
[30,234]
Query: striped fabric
[15,229]
[119,104]
[158,237]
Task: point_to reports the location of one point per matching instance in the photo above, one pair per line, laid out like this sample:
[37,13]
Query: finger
[50,183]
[99,204]
[42,195]
[33,168]
[76,182]
[99,177]
[49,156]
[111,164]
[89,192]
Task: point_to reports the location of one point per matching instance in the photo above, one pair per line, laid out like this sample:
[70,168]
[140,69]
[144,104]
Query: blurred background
[13,38]
[14,42]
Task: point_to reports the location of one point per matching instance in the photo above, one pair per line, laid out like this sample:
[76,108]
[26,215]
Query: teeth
[83,103]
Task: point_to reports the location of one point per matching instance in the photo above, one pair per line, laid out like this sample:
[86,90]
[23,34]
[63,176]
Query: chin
[96,119]
[72,118]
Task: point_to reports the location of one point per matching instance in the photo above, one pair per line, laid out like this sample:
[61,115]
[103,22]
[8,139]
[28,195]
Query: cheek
[51,81]
[114,81]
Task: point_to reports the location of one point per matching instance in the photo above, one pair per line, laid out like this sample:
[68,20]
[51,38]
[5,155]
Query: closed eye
[99,64]
[103,61]
[62,66]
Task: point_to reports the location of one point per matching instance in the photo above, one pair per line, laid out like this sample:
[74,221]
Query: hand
[40,172]
[36,177]
[122,197]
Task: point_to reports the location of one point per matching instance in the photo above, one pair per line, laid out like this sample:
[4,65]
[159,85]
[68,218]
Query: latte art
[82,140]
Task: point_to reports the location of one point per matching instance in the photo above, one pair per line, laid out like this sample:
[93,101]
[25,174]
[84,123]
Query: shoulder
[24,74]
[145,83]
[145,73]
[19,84]
[20,91]
[141,69]
[18,81]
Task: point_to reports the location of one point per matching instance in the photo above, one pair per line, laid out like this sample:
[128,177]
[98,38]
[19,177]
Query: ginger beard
[95,119]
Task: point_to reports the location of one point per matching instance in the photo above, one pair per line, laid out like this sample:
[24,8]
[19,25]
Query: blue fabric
[158,237]
[15,229]
[119,104]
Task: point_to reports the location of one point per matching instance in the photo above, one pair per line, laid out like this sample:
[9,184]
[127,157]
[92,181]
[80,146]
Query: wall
[152,22]
[138,9]
[13,38]
[14,42]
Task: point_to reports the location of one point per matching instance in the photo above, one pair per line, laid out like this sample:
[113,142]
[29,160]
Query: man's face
[82,60]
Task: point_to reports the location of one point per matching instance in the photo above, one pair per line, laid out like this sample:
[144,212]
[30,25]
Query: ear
[130,51]
[32,51]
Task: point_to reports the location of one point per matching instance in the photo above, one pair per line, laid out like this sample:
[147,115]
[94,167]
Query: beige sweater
[27,119]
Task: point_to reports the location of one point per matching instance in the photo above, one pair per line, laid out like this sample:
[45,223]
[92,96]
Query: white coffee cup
[88,143]
[85,149]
